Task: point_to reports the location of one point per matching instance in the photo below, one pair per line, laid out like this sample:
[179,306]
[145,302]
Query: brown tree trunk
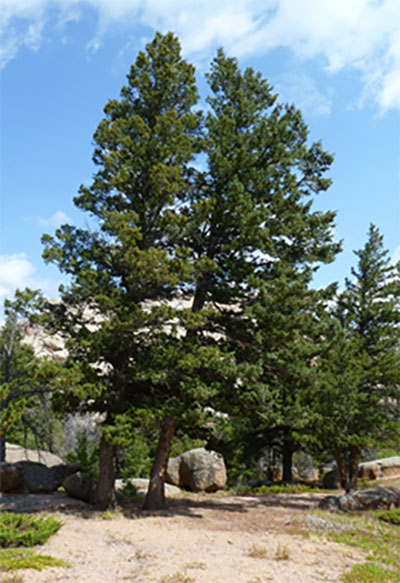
[354,461]
[2,448]
[341,467]
[287,460]
[155,497]
[104,495]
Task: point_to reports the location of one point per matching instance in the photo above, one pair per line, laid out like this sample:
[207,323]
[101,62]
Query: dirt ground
[199,539]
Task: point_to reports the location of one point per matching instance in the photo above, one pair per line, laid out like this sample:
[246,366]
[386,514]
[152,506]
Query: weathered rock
[11,478]
[17,453]
[378,469]
[384,498]
[142,485]
[199,470]
[79,485]
[34,477]
[173,470]
[331,480]
[38,502]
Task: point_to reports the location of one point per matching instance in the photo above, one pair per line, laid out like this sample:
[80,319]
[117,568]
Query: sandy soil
[200,539]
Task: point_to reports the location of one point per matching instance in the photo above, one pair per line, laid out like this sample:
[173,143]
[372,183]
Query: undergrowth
[11,559]
[379,540]
[265,490]
[25,530]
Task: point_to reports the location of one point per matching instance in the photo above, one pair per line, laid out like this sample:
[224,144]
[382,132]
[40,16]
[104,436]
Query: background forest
[190,317]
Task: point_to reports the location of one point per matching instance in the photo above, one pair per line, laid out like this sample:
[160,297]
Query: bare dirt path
[199,539]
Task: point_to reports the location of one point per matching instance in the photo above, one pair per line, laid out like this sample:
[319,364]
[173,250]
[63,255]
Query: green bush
[25,530]
[11,559]
[391,516]
[86,454]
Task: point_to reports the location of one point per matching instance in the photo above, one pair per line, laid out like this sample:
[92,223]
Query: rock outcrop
[80,486]
[18,453]
[331,480]
[198,470]
[142,484]
[33,477]
[380,469]
[384,498]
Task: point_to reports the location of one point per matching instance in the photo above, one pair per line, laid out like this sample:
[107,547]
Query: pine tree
[257,240]
[27,382]
[130,265]
[287,332]
[359,397]
[166,234]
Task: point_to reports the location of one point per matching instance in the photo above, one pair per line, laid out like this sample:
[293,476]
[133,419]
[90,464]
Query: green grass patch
[390,516]
[379,540]
[18,531]
[265,490]
[11,559]
[25,530]
[370,573]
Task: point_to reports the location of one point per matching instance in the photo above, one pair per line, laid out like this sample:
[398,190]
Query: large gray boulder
[11,478]
[18,453]
[142,485]
[33,477]
[331,480]
[198,470]
[384,498]
[79,485]
[380,469]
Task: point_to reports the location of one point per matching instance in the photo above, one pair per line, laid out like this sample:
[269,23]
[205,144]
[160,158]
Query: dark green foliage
[26,530]
[164,284]
[27,383]
[358,398]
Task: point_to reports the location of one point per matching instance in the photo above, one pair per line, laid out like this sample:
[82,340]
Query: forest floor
[200,538]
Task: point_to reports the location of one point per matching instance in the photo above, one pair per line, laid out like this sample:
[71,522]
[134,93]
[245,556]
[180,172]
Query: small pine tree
[358,401]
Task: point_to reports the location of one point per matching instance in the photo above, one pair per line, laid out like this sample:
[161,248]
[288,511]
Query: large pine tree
[156,311]
[127,267]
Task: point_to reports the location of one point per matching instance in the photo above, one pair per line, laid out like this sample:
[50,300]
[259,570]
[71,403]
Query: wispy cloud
[302,90]
[361,35]
[17,272]
[59,218]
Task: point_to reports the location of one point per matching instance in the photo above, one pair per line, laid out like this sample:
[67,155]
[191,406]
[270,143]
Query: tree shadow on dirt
[189,505]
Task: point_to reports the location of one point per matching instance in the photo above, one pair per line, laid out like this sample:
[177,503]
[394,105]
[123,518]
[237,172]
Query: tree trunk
[353,467]
[2,447]
[287,460]
[104,495]
[155,498]
[341,464]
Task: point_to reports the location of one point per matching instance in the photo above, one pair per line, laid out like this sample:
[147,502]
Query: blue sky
[61,60]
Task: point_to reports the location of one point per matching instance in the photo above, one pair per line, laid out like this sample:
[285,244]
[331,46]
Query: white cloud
[396,256]
[17,272]
[59,218]
[301,90]
[362,35]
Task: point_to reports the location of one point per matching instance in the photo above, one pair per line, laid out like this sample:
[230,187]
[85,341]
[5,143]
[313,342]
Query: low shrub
[11,559]
[25,530]
[390,516]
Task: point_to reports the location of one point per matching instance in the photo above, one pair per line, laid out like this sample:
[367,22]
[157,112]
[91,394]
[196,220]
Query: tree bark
[343,470]
[354,461]
[104,495]
[2,448]
[287,460]
[155,497]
